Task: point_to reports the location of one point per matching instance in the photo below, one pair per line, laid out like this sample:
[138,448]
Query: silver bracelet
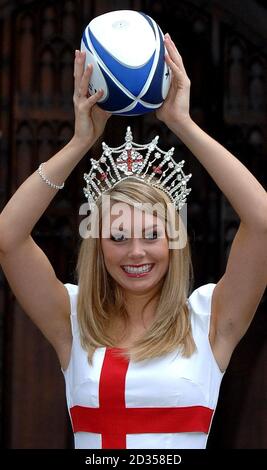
[52,185]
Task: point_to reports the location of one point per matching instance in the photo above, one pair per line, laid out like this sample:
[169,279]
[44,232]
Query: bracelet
[52,185]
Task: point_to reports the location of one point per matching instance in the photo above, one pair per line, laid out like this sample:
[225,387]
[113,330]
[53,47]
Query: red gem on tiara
[157,170]
[103,176]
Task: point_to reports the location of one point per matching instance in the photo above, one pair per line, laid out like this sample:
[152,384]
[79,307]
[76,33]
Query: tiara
[157,168]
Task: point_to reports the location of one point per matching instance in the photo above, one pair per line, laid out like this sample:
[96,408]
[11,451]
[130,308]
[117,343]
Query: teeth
[144,269]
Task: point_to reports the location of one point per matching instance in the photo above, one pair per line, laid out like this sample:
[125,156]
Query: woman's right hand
[90,119]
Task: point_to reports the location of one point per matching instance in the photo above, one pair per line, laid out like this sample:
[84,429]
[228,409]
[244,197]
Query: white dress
[162,403]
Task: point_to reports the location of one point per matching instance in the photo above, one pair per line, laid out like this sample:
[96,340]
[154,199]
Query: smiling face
[135,250]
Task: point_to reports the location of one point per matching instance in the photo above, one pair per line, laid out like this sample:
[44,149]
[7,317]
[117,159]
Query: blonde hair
[101,299]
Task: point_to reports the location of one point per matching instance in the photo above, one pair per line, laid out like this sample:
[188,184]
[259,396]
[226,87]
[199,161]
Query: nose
[136,249]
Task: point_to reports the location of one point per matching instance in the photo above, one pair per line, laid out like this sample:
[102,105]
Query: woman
[143,364]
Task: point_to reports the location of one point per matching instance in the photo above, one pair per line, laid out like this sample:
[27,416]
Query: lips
[139,270]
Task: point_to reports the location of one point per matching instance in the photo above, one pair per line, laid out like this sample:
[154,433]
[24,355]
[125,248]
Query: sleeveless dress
[163,403]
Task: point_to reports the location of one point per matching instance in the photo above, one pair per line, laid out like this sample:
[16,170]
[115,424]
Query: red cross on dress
[113,420]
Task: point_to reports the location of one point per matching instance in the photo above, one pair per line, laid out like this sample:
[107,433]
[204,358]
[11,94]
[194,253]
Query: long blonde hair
[101,299]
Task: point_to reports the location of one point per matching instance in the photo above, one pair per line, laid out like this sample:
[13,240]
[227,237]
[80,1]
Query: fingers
[81,76]
[175,62]
[173,52]
[95,98]
[78,69]
[84,104]
[84,82]
[176,71]
[81,82]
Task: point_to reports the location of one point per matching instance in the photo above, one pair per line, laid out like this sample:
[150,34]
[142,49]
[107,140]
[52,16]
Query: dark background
[224,46]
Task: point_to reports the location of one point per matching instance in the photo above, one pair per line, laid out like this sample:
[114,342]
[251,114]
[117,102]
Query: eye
[152,236]
[118,238]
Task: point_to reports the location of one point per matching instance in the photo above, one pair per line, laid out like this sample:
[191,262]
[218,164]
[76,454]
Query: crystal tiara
[156,168]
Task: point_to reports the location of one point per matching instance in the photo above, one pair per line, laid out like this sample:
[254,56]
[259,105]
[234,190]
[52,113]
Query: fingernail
[167,36]
[76,53]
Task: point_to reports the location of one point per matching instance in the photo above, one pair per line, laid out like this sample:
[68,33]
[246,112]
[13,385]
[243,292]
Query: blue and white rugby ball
[127,51]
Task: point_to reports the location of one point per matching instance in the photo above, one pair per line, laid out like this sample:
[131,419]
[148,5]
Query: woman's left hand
[176,105]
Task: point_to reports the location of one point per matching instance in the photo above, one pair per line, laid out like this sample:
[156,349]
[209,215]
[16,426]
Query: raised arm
[28,271]
[239,291]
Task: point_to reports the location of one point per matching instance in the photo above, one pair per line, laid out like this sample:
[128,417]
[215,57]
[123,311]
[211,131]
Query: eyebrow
[154,226]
